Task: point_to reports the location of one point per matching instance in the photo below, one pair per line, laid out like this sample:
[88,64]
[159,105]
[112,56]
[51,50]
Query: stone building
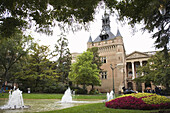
[112,52]
[133,61]
[119,69]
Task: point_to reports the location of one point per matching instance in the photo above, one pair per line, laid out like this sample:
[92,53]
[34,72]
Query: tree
[38,70]
[12,51]
[147,12]
[84,72]
[157,70]
[96,58]
[63,55]
[42,14]
[21,14]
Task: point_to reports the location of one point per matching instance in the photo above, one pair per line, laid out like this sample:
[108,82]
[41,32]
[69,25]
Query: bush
[144,101]
[93,92]
[79,90]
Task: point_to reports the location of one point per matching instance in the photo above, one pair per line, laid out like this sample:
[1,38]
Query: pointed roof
[136,55]
[90,39]
[111,36]
[118,33]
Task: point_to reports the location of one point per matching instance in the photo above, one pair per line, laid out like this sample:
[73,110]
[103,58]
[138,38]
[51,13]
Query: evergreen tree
[63,62]
[38,70]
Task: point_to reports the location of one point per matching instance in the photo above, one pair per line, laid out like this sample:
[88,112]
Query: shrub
[144,101]
[93,92]
[79,90]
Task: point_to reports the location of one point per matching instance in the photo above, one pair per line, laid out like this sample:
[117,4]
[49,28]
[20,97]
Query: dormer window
[104,37]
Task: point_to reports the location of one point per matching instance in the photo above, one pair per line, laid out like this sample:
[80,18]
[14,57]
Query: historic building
[112,52]
[119,69]
[133,61]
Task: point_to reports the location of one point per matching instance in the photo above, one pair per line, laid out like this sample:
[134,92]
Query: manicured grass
[56,96]
[98,108]
[4,95]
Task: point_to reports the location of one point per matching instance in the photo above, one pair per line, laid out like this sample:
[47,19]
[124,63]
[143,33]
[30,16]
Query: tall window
[104,75]
[103,59]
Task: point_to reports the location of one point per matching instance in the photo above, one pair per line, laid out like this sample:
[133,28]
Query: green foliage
[37,72]
[96,57]
[147,12]
[157,70]
[21,14]
[79,90]
[83,71]
[63,55]
[13,50]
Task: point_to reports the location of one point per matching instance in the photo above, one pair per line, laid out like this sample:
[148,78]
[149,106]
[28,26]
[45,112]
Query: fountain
[110,95]
[15,100]
[67,97]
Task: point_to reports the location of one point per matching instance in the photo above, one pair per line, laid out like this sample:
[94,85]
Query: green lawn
[88,108]
[99,108]
[55,96]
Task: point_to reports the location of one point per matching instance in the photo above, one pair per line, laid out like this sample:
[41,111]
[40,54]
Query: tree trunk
[84,87]
[92,86]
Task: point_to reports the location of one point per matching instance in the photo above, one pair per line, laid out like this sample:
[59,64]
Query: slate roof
[90,39]
[111,36]
[118,33]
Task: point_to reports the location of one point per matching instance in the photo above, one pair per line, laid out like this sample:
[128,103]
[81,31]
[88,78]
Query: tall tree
[157,70]
[96,57]
[38,69]
[63,56]
[12,50]
[83,71]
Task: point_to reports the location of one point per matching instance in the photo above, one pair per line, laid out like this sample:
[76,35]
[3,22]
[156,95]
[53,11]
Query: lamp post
[63,71]
[117,66]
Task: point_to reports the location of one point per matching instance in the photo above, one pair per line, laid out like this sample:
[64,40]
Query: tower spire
[90,39]
[118,32]
[105,22]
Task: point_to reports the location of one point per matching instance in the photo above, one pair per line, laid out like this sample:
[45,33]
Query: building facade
[112,52]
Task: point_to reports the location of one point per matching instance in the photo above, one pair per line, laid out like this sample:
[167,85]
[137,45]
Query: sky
[133,41]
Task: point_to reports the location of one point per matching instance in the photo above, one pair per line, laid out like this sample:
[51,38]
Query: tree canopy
[157,70]
[147,12]
[63,55]
[83,71]
[12,51]
[43,14]
[37,69]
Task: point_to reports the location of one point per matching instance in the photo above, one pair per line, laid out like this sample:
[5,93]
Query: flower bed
[144,101]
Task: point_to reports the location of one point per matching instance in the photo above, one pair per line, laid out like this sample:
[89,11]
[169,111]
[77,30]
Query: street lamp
[63,71]
[117,66]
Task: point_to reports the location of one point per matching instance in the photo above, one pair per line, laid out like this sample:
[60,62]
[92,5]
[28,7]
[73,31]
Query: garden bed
[142,101]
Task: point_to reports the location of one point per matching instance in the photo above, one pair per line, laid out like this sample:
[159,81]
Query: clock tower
[105,27]
[105,22]
[111,51]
